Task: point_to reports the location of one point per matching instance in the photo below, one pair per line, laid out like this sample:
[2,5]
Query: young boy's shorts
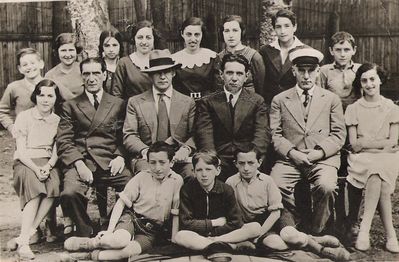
[143,230]
[286,219]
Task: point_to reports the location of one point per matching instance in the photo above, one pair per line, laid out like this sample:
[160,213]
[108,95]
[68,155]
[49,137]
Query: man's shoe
[245,246]
[327,241]
[392,245]
[335,253]
[80,244]
[25,253]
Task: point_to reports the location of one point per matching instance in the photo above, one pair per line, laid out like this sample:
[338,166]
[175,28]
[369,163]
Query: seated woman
[36,180]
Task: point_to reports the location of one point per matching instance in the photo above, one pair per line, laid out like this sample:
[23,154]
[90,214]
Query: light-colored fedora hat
[160,60]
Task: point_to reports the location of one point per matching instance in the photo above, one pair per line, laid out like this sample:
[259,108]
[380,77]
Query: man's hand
[218,222]
[182,154]
[117,165]
[315,154]
[299,158]
[84,172]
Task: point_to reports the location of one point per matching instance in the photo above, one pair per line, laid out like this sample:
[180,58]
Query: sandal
[68,226]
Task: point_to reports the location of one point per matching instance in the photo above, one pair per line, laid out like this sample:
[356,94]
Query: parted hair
[38,89]
[234,58]
[196,21]
[93,60]
[382,74]
[158,40]
[110,33]
[208,156]
[231,18]
[284,13]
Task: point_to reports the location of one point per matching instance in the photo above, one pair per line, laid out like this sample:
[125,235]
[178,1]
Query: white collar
[235,96]
[167,93]
[300,90]
[49,119]
[296,43]
[91,97]
[190,60]
[142,64]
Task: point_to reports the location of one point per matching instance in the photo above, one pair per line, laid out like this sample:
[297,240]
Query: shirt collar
[235,96]
[345,67]
[257,176]
[300,90]
[276,44]
[99,95]
[167,93]
[49,119]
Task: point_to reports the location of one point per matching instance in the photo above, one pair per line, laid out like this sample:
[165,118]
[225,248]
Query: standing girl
[373,123]
[36,180]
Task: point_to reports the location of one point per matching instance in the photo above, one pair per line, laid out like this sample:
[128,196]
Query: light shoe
[327,241]
[75,244]
[12,244]
[68,226]
[392,245]
[363,241]
[335,253]
[25,253]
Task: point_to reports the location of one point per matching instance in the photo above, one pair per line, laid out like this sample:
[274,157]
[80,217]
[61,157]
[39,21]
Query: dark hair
[231,18]
[27,51]
[284,13]
[93,60]
[247,149]
[110,33]
[161,146]
[341,37]
[196,21]
[382,74]
[66,38]
[234,58]
[158,40]
[38,90]
[208,156]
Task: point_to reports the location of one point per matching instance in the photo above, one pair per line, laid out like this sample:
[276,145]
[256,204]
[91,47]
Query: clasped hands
[305,157]
[43,172]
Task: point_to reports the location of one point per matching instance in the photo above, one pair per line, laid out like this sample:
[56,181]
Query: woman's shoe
[363,241]
[25,253]
[392,245]
[12,244]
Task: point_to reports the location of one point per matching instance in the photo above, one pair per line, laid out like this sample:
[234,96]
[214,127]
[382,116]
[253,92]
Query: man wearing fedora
[160,114]
[308,130]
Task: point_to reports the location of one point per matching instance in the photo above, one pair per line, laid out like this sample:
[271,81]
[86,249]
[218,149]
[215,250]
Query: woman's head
[66,47]
[111,44]
[46,96]
[232,29]
[369,77]
[145,37]
[206,167]
[193,31]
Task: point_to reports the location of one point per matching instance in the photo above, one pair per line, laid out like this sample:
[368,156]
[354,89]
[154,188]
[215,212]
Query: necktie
[231,107]
[163,131]
[307,98]
[96,103]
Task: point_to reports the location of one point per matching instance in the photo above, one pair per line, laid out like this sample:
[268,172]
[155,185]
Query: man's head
[159,156]
[305,65]
[248,160]
[342,48]
[234,72]
[93,74]
[162,69]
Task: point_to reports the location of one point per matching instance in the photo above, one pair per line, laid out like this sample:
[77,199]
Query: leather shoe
[80,244]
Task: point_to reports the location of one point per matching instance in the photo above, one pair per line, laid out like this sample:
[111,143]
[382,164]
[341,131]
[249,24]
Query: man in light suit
[89,144]
[308,130]
[160,114]
[232,118]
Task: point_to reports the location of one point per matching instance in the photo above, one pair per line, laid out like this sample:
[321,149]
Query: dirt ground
[10,218]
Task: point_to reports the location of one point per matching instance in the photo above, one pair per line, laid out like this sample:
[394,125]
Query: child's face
[206,173]
[284,29]
[30,66]
[67,54]
[342,53]
[159,164]
[46,99]
[247,165]
[370,82]
[111,48]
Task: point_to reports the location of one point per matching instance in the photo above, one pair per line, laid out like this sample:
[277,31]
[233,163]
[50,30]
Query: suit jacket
[278,76]
[141,124]
[89,135]
[213,124]
[324,128]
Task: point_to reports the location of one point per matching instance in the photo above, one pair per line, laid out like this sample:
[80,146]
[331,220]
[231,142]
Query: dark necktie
[96,103]
[163,131]
[231,107]
[307,98]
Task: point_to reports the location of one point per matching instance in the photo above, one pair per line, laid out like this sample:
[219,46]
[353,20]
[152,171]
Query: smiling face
[342,52]
[306,76]
[30,66]
[232,34]
[46,99]
[159,164]
[192,36]
[67,54]
[370,82]
[206,174]
[93,77]
[284,30]
[247,165]
[144,40]
[111,48]
[234,76]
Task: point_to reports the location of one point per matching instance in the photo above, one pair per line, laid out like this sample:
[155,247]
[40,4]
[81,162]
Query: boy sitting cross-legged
[259,200]
[139,216]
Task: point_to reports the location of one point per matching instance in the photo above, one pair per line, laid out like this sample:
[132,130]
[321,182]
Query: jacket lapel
[223,111]
[86,107]
[286,67]
[274,56]
[102,111]
[148,110]
[241,110]
[293,104]
[316,106]
[176,111]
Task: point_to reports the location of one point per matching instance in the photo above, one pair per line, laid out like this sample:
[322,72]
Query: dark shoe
[245,245]
[218,252]
[327,241]
[37,237]
[25,253]
[80,244]
[335,253]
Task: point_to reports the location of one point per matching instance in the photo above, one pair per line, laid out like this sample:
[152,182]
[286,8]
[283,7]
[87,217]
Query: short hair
[284,13]
[159,42]
[382,74]
[93,60]
[248,148]
[196,21]
[341,37]
[66,38]
[208,156]
[231,18]
[27,51]
[234,58]
[161,146]
[111,33]
[38,89]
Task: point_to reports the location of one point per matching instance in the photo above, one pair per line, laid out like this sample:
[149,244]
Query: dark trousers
[73,197]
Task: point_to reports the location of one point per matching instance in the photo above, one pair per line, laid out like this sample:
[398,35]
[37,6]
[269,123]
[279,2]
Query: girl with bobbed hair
[129,80]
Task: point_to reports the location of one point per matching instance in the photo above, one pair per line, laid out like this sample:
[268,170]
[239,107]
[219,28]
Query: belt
[195,95]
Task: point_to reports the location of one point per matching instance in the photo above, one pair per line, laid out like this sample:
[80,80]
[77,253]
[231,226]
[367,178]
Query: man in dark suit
[89,144]
[308,131]
[231,118]
[160,114]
